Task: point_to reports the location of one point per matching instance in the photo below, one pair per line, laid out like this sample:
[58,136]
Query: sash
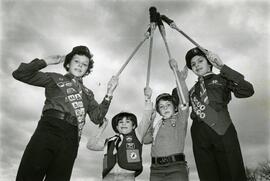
[219,121]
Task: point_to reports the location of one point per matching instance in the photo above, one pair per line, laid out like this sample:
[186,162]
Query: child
[215,144]
[123,152]
[52,149]
[168,135]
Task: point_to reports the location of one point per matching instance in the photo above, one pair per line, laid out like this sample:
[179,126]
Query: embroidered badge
[173,123]
[60,84]
[198,107]
[133,156]
[129,138]
[130,146]
[70,90]
[214,82]
[68,84]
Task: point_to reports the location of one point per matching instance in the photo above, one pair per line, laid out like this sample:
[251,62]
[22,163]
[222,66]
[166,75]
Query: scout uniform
[215,144]
[54,144]
[126,151]
[123,152]
[122,159]
[168,140]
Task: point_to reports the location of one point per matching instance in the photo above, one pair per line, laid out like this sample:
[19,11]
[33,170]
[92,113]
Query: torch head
[153,11]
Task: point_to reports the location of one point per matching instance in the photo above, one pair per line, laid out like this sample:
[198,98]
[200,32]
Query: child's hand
[184,73]
[214,60]
[104,124]
[112,84]
[54,59]
[147,93]
[173,64]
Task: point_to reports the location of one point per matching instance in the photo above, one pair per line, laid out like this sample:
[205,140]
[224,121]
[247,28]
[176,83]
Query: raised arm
[29,72]
[180,77]
[96,143]
[97,111]
[147,115]
[236,82]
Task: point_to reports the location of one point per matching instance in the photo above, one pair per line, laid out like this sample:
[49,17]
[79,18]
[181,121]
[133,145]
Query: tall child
[123,152]
[51,151]
[168,135]
[215,144]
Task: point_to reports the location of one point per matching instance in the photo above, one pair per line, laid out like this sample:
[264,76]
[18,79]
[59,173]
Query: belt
[168,159]
[60,115]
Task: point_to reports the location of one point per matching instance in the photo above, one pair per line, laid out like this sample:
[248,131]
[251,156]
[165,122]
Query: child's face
[125,126]
[166,108]
[199,65]
[78,65]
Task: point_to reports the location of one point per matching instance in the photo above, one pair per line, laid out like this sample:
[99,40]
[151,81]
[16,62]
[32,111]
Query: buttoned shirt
[58,89]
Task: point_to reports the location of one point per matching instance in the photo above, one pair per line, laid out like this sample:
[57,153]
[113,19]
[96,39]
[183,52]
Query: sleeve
[148,137]
[183,117]
[183,87]
[29,73]
[236,83]
[144,124]
[97,111]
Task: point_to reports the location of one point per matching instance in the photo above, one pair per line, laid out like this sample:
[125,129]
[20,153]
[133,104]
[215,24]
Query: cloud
[236,31]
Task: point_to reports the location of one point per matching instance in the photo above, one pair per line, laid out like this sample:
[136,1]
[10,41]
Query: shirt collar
[172,117]
[207,76]
[71,76]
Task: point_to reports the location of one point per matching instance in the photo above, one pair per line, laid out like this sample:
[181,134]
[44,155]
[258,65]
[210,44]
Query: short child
[123,152]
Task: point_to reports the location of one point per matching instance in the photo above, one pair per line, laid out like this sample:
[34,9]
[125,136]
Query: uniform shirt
[170,135]
[219,88]
[55,97]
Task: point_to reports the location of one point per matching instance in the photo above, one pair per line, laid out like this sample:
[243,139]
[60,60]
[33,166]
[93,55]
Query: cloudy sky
[238,31]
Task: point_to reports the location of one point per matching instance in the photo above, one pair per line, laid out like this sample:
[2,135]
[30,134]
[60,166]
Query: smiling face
[125,126]
[78,65]
[199,65]
[166,108]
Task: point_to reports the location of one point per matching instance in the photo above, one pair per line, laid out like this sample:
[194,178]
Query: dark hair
[194,52]
[80,50]
[167,97]
[122,115]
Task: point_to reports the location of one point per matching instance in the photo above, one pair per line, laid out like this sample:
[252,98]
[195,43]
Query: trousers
[217,157]
[177,171]
[50,153]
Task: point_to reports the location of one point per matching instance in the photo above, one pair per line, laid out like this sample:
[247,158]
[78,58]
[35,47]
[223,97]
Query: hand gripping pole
[172,24]
[163,34]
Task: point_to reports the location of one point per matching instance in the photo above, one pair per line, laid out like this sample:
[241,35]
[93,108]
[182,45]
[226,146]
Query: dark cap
[192,53]
[169,97]
[80,50]
[120,116]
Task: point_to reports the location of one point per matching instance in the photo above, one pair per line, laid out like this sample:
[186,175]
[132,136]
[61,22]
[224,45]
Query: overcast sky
[237,30]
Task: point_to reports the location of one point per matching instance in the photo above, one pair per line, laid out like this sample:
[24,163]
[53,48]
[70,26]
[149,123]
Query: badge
[173,123]
[133,156]
[70,90]
[130,146]
[214,82]
[68,84]
[71,98]
[129,138]
[60,84]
